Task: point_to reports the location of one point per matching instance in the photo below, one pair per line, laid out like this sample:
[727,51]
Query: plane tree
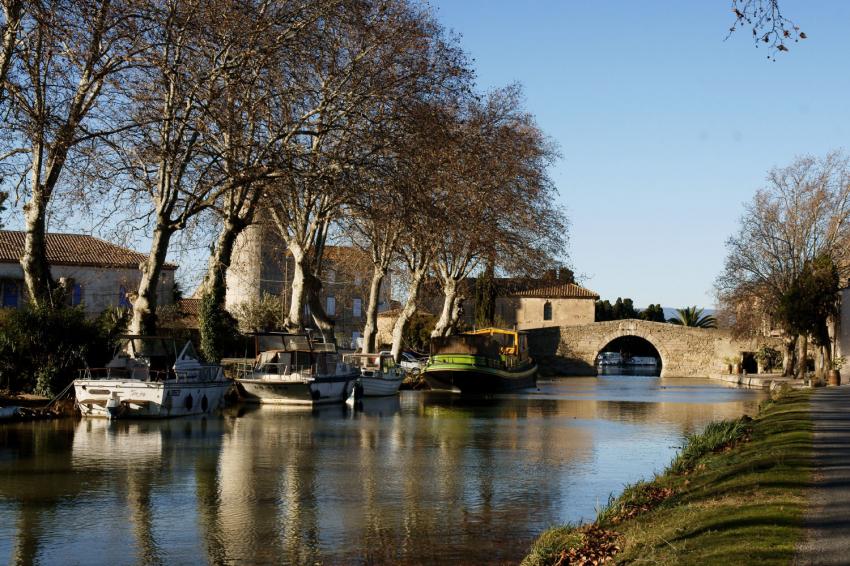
[60,65]
[367,57]
[500,202]
[803,213]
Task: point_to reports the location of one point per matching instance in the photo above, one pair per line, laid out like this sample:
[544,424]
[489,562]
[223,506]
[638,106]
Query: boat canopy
[487,342]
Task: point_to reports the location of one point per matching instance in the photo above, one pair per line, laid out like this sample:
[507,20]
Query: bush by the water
[716,436]
[42,348]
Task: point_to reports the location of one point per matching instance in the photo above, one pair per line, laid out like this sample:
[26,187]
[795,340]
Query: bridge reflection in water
[427,478]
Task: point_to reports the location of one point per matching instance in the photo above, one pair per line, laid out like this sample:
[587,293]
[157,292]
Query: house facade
[261,265]
[541,304]
[99,274]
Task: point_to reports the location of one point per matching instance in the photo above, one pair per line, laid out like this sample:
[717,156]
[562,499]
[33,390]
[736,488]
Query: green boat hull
[478,378]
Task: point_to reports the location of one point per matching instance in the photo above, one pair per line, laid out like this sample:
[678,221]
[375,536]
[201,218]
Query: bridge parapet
[684,351]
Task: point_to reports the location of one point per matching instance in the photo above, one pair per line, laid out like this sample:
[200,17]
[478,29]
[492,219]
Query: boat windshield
[369,361]
[288,342]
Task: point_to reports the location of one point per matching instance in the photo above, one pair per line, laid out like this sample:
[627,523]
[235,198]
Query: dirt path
[827,537]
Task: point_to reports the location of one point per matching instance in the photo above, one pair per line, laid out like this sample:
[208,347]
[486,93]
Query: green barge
[490,360]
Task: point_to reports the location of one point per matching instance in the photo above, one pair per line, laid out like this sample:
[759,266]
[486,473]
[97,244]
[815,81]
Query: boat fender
[315,393]
[204,403]
[189,402]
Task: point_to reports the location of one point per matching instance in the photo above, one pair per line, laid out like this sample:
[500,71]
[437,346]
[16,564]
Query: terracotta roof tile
[557,291]
[73,249]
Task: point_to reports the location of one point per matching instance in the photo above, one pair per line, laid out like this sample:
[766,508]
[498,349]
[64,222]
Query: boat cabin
[283,353]
[371,362]
[493,343]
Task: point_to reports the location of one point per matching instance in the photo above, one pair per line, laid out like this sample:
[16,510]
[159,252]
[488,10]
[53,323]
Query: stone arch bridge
[684,351]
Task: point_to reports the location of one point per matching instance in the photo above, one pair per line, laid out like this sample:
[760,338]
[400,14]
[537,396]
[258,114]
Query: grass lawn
[739,504]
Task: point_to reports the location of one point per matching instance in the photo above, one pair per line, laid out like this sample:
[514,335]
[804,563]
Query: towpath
[827,536]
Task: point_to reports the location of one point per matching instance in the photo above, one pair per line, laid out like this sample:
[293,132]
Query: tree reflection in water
[427,477]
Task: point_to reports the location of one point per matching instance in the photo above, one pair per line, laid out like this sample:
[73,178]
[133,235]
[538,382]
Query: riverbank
[25,407]
[736,494]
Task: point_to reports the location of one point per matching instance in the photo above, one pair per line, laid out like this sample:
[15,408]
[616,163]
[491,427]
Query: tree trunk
[215,324]
[789,344]
[803,344]
[215,279]
[144,307]
[448,315]
[370,331]
[295,318]
[826,348]
[317,310]
[407,311]
[34,261]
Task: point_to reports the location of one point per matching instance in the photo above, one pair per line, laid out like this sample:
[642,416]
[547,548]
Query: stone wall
[685,352]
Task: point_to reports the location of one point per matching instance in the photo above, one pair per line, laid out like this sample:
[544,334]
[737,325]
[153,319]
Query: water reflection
[425,477]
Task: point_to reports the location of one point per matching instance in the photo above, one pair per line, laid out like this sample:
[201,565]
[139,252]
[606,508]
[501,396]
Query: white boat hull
[317,391]
[380,386]
[148,399]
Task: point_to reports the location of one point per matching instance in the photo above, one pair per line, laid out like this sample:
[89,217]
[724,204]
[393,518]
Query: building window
[76,295]
[358,307]
[547,311]
[10,294]
[331,275]
[358,280]
[123,301]
[330,306]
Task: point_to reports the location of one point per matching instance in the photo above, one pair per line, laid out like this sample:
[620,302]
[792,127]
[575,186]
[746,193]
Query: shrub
[259,315]
[768,357]
[716,436]
[41,348]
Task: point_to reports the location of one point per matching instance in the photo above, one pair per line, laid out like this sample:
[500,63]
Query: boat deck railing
[507,363]
[250,370]
[203,373]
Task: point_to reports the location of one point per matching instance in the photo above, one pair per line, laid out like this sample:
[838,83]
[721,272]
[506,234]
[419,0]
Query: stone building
[525,303]
[539,303]
[100,274]
[522,304]
[261,265]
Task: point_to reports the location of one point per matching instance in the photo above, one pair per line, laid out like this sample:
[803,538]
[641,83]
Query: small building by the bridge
[539,303]
[524,303]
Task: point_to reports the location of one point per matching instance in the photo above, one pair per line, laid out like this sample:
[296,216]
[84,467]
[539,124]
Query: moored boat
[379,374]
[147,378]
[490,360]
[291,369]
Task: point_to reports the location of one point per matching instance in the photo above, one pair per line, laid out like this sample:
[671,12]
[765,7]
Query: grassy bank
[734,495]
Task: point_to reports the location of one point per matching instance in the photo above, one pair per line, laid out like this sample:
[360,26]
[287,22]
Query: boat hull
[380,386]
[120,398]
[316,391]
[474,379]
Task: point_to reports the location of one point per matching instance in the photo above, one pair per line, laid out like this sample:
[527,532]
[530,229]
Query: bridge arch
[635,332]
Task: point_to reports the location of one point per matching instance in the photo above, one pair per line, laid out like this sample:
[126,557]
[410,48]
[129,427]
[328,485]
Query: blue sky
[665,128]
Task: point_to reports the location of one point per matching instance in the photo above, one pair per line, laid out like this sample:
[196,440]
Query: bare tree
[13,16]
[767,22]
[59,85]
[170,160]
[247,133]
[501,203]
[365,58]
[375,224]
[803,213]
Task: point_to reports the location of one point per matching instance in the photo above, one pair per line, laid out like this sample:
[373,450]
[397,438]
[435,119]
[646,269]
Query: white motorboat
[292,369]
[147,378]
[379,374]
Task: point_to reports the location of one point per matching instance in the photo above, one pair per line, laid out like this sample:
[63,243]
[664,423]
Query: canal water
[423,478]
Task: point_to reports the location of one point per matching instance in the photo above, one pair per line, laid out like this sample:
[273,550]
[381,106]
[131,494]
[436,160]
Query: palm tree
[692,316]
